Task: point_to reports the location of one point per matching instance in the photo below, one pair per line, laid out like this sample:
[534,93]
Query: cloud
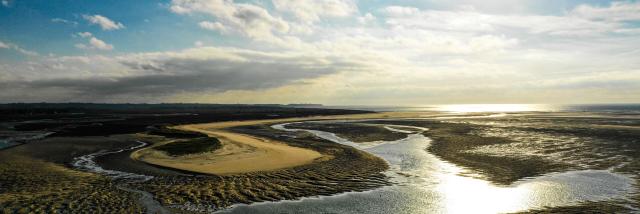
[4,45]
[161,74]
[99,44]
[474,21]
[215,26]
[93,43]
[85,34]
[616,11]
[366,19]
[5,3]
[104,22]
[246,19]
[64,21]
[312,10]
[392,54]
[400,11]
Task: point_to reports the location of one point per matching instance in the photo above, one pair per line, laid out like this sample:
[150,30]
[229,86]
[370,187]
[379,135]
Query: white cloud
[366,19]
[104,22]
[27,52]
[400,11]
[5,3]
[64,21]
[474,21]
[5,45]
[312,10]
[616,11]
[215,26]
[93,43]
[99,44]
[85,34]
[247,19]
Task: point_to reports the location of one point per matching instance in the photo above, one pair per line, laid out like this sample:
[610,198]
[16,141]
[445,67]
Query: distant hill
[303,105]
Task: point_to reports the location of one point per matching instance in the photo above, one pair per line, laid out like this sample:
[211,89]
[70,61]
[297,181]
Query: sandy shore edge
[243,153]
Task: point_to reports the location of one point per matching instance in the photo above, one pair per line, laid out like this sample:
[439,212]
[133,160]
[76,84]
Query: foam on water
[88,163]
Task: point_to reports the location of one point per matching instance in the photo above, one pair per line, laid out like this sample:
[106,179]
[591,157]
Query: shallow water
[88,163]
[12,138]
[426,184]
[5,143]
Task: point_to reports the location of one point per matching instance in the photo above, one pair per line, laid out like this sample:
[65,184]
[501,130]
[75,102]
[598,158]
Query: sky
[334,52]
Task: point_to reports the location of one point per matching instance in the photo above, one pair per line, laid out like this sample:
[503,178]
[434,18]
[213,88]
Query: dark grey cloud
[168,76]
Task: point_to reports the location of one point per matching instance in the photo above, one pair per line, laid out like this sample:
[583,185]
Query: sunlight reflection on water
[467,108]
[426,184]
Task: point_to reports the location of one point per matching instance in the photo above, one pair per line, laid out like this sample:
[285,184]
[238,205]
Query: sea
[631,108]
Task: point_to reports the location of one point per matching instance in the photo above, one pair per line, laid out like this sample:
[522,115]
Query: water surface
[426,184]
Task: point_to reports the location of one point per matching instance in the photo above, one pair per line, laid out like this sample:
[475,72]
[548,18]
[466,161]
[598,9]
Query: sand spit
[243,153]
[347,169]
[240,154]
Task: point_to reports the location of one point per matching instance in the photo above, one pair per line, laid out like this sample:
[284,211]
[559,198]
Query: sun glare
[467,108]
[466,195]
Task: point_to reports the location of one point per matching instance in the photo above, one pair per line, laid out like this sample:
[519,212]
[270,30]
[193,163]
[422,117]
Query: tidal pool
[426,184]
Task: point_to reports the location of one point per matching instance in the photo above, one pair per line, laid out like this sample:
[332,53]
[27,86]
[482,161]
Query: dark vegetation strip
[189,142]
[190,146]
[109,119]
[355,132]
[173,133]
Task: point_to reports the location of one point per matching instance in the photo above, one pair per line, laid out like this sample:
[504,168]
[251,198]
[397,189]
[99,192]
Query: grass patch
[191,146]
[359,133]
[173,133]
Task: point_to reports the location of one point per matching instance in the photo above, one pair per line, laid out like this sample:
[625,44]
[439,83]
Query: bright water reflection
[466,108]
[426,184]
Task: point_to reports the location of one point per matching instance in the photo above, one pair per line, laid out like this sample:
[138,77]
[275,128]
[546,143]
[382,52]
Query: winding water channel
[423,184]
[88,163]
[427,184]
